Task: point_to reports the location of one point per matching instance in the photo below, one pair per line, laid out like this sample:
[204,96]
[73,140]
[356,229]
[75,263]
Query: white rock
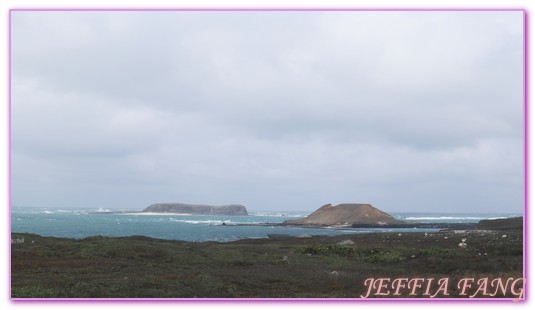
[346,242]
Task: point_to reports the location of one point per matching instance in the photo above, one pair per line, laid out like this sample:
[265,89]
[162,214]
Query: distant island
[346,214]
[358,215]
[194,209]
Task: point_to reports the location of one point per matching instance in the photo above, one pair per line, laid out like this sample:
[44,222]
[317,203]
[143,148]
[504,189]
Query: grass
[436,252]
[381,256]
[326,249]
[136,267]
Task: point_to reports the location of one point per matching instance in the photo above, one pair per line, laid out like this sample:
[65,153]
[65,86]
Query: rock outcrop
[346,215]
[196,209]
[501,224]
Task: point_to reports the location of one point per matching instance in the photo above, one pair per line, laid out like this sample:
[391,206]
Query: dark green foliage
[382,256]
[436,252]
[141,267]
[33,292]
[326,249]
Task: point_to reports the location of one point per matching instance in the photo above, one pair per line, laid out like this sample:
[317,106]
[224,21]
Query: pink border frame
[283,300]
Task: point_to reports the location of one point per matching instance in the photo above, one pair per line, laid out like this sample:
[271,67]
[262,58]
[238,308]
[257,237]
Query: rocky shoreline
[451,226]
[515,223]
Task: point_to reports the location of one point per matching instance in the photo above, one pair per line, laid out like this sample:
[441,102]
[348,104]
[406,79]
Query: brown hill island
[347,214]
[182,208]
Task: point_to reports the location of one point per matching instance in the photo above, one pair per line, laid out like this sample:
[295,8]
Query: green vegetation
[375,255]
[326,249]
[436,252]
[141,267]
[381,256]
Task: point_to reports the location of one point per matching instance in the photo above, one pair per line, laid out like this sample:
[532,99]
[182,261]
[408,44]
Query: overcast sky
[408,111]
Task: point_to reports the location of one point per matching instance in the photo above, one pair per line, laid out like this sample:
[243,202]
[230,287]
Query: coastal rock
[193,209]
[501,224]
[346,242]
[346,215]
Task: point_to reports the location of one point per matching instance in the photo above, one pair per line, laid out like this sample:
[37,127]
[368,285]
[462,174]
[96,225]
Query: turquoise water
[83,223]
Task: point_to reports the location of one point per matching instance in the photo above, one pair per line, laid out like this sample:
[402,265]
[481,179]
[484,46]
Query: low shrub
[326,249]
[436,252]
[379,256]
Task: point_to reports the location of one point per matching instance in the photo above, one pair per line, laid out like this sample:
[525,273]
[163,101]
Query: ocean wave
[212,222]
[277,214]
[431,218]
[76,212]
[206,222]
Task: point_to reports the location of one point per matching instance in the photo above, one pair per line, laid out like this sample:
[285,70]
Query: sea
[82,223]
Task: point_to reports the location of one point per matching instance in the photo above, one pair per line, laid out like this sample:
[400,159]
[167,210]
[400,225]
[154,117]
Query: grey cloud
[302,107]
